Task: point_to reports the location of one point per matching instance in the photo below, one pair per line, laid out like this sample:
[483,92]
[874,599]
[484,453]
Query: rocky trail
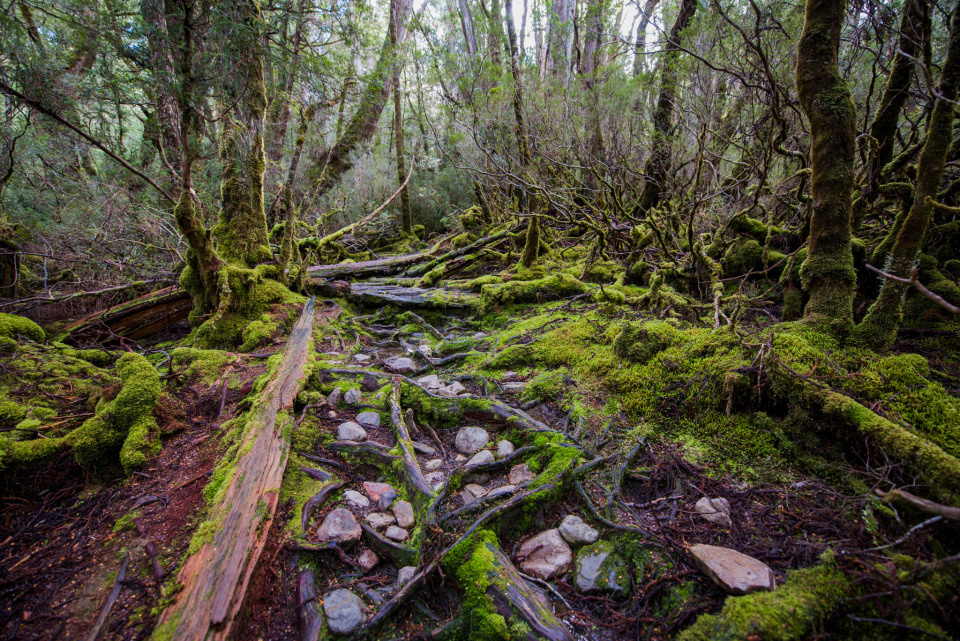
[396,467]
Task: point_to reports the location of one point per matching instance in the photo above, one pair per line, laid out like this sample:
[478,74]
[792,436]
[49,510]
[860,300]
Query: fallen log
[421,492]
[463,251]
[381,267]
[376,294]
[131,320]
[215,577]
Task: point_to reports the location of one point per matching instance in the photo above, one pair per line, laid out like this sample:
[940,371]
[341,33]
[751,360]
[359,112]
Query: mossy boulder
[12,327]
[639,342]
[598,568]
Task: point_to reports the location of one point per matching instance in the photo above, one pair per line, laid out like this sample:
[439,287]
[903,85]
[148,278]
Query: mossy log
[245,490]
[491,240]
[421,492]
[131,320]
[382,267]
[412,296]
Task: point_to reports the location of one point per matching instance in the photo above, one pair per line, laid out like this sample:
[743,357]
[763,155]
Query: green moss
[12,326]
[463,240]
[125,522]
[793,611]
[546,386]
[208,364]
[257,332]
[639,342]
[532,291]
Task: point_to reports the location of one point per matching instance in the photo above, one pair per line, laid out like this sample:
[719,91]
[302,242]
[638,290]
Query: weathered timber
[491,240]
[382,267]
[512,595]
[309,612]
[131,320]
[215,578]
[412,296]
[421,492]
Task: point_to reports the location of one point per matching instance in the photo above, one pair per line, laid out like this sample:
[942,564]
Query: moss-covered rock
[598,568]
[12,327]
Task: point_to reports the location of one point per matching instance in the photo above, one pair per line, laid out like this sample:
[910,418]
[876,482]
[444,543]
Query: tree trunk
[827,274]
[640,48]
[406,223]
[466,22]
[879,328]
[662,147]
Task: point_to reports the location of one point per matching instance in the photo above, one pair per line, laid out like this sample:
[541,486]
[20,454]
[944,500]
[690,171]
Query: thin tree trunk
[639,62]
[466,22]
[879,328]
[406,224]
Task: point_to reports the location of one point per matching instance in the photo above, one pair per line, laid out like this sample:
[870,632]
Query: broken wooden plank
[216,576]
[131,320]
[438,298]
[380,267]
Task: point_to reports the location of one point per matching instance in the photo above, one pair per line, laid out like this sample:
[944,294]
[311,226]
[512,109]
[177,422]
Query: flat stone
[600,569]
[476,490]
[400,365]
[437,487]
[352,396]
[715,510]
[372,595]
[368,419]
[481,458]
[367,560]
[509,375]
[471,439]
[426,350]
[341,526]
[396,533]
[467,497]
[362,358]
[350,431]
[503,490]
[445,392]
[380,520]
[520,474]
[356,499]
[545,555]
[404,575]
[504,449]
[387,497]
[423,448]
[456,387]
[479,335]
[430,382]
[433,464]
[333,399]
[374,490]
[404,513]
[460,458]
[514,388]
[734,572]
[575,532]
[435,477]
[344,612]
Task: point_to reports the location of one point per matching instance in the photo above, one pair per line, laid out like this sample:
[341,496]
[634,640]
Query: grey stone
[520,474]
[545,555]
[435,477]
[438,487]
[734,572]
[456,388]
[509,375]
[333,400]
[445,392]
[368,419]
[363,358]
[344,612]
[400,365]
[426,350]
[430,382]
[380,520]
[372,595]
[600,569]
[352,396]
[433,464]
[514,388]
[504,449]
[396,533]
[477,490]
[479,335]
[374,490]
[467,497]
[575,532]
[340,526]
[367,560]
[350,431]
[356,499]
[404,513]
[481,458]
[715,510]
[404,575]
[460,458]
[503,490]
[471,439]
[387,497]
[423,448]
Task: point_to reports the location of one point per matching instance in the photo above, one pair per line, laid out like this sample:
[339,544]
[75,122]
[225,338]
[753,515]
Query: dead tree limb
[422,493]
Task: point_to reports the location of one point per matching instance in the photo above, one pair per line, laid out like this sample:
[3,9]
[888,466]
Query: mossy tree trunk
[828,274]
[879,328]
[532,243]
[406,222]
[639,49]
[662,146]
[914,22]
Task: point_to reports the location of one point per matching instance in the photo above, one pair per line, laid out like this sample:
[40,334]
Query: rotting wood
[422,493]
[413,296]
[906,498]
[131,320]
[215,578]
[382,267]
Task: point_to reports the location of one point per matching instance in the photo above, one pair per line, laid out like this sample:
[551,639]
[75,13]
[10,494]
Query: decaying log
[421,492]
[378,454]
[902,496]
[309,612]
[131,320]
[215,578]
[382,267]
[512,595]
[412,296]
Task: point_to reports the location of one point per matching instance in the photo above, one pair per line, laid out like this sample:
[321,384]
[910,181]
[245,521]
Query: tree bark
[879,328]
[828,275]
[406,222]
[639,49]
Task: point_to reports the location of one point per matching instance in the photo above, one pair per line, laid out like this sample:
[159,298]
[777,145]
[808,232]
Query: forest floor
[631,457]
